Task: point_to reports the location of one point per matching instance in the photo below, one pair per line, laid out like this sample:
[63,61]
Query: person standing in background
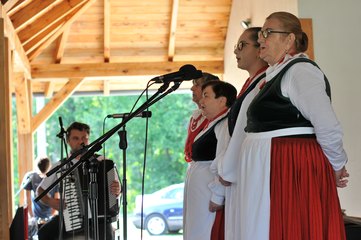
[39,213]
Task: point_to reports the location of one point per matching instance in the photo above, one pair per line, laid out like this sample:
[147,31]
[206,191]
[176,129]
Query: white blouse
[305,86]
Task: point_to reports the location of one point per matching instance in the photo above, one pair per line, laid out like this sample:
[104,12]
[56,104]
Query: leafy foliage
[165,163]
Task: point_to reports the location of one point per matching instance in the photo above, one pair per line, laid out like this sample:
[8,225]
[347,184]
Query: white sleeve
[305,86]
[222,135]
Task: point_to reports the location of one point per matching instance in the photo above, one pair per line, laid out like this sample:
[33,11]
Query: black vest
[270,110]
[234,111]
[204,148]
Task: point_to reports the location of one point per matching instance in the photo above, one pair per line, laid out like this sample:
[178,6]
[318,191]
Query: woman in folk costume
[200,203]
[292,159]
[197,120]
[247,54]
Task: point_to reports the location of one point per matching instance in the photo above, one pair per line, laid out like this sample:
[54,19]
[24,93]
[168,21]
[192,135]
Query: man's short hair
[44,165]
[77,126]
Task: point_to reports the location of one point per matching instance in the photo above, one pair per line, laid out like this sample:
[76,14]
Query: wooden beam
[60,45]
[55,102]
[106,31]
[173,28]
[45,21]
[9,4]
[22,105]
[25,156]
[119,69]
[42,38]
[14,42]
[30,13]
[106,87]
[49,89]
[19,5]
[6,170]
[67,24]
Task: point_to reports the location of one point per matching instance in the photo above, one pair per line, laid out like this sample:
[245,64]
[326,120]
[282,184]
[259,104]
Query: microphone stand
[62,145]
[123,145]
[97,144]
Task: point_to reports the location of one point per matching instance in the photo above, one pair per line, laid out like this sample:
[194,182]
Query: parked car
[162,210]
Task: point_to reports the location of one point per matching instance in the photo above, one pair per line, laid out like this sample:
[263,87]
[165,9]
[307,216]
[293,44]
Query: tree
[165,163]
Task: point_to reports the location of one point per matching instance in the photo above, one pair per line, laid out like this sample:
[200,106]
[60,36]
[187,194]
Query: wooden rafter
[118,69]
[49,89]
[22,104]
[60,45]
[173,28]
[9,4]
[106,31]
[19,5]
[67,24]
[106,87]
[55,102]
[30,13]
[41,39]
[51,18]
[14,41]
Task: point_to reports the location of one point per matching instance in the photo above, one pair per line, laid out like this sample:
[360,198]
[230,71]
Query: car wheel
[174,231]
[156,225]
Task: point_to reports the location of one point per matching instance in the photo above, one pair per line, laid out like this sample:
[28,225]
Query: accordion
[108,205]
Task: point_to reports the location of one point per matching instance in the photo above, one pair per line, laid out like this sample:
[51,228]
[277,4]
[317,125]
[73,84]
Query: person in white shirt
[292,159]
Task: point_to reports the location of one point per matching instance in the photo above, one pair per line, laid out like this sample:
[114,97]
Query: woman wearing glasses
[292,158]
[247,54]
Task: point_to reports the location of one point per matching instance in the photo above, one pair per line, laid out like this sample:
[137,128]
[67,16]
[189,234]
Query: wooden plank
[22,106]
[60,45]
[19,5]
[172,31]
[25,157]
[31,12]
[34,43]
[118,69]
[55,102]
[106,88]
[47,20]
[6,136]
[49,89]
[83,8]
[15,42]
[106,30]
[9,4]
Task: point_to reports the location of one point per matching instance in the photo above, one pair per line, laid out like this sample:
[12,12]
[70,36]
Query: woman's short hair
[222,89]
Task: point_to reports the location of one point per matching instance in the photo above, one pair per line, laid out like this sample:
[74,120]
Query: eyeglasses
[239,46]
[265,33]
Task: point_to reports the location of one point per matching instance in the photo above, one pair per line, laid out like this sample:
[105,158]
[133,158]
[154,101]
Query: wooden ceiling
[116,44]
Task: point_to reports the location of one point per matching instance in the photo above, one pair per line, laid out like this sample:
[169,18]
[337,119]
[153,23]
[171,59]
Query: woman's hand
[224,182]
[214,207]
[341,176]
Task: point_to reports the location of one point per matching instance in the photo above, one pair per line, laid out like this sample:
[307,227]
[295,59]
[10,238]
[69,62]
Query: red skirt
[218,226]
[304,200]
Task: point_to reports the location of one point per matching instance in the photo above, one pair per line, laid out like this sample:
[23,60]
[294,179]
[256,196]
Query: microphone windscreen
[190,72]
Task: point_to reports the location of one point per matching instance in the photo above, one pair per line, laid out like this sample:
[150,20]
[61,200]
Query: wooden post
[6,169]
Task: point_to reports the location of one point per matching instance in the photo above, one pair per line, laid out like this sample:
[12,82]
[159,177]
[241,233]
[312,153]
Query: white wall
[337,47]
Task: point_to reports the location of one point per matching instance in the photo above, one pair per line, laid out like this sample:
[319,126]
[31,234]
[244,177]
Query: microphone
[186,72]
[144,114]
